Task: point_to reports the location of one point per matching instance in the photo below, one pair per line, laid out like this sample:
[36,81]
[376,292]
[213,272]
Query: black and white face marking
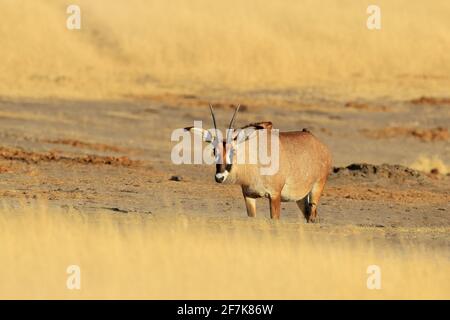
[224,161]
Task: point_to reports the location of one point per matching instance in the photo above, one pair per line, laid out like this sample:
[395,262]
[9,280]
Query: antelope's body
[304,164]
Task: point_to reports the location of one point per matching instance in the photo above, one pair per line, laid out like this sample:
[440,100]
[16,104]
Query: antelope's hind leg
[304,207]
[314,197]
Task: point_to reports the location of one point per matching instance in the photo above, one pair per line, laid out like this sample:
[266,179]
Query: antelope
[304,166]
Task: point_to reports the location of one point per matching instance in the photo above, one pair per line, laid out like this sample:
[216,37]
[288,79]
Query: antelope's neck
[242,174]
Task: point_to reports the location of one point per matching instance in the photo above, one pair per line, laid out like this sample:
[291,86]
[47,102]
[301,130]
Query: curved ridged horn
[214,119]
[234,117]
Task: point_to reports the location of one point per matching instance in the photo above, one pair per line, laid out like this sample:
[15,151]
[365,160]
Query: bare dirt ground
[116,156]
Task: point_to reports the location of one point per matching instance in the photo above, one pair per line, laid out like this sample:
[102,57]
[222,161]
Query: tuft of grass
[427,164]
[180,257]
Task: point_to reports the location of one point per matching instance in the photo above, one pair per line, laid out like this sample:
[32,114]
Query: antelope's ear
[247,131]
[207,136]
[259,125]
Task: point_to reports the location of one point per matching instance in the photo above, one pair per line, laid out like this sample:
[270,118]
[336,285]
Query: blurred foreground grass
[142,256]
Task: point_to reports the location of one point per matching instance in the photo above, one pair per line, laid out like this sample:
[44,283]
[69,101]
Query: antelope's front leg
[275,206]
[250,203]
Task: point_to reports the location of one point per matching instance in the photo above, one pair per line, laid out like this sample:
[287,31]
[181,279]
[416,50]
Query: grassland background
[145,257]
[138,47]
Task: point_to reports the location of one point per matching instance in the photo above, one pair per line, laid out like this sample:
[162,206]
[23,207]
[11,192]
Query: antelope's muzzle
[221,176]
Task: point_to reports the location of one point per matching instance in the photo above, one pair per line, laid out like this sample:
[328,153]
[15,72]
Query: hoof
[312,220]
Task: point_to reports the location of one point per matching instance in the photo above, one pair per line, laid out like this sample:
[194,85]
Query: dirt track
[116,156]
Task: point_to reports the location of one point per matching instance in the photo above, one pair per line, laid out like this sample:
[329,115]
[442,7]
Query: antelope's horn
[234,117]
[213,118]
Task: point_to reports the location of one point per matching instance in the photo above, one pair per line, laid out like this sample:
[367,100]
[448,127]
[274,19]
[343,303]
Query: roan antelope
[304,165]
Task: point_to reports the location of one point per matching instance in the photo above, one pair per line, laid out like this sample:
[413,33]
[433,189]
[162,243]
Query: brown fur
[304,166]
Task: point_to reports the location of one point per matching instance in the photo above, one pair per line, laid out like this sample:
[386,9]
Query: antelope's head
[225,147]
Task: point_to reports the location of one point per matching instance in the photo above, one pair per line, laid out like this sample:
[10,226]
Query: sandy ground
[116,156]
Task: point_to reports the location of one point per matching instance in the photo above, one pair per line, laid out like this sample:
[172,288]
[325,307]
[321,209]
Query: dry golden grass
[426,164]
[134,256]
[141,46]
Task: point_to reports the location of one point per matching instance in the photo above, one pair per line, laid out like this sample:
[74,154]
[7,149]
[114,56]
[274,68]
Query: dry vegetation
[199,46]
[428,164]
[141,256]
[104,166]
